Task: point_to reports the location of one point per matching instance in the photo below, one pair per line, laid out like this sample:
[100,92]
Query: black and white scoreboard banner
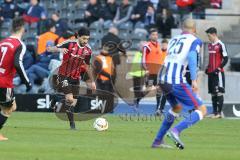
[33,102]
[41,103]
[231,110]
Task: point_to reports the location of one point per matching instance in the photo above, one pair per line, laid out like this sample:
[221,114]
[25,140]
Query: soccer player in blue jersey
[182,52]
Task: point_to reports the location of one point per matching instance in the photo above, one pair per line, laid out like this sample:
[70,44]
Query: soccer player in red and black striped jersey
[77,53]
[12,50]
[218,58]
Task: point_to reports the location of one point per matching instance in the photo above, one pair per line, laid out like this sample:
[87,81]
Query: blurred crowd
[160,14]
[46,27]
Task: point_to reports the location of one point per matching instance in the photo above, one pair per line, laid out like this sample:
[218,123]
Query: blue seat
[5,33]
[96,27]
[139,36]
[7,24]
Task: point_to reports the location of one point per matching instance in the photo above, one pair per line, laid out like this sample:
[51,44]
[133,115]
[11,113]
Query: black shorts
[67,85]
[6,97]
[216,83]
[152,80]
[188,78]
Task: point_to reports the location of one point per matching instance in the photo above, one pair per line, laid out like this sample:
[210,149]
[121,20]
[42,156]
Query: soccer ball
[100,124]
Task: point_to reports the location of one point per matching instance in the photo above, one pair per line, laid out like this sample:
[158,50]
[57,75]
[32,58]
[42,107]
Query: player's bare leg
[168,121]
[194,117]
[5,113]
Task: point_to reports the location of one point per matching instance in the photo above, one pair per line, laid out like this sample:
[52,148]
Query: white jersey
[177,58]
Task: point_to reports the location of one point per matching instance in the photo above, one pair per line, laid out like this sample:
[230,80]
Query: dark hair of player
[153,30]
[164,41]
[17,24]
[83,32]
[211,30]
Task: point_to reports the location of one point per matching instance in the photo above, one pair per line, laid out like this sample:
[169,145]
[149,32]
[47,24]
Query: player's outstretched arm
[55,49]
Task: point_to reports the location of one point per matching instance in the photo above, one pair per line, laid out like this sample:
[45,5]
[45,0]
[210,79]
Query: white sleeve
[224,50]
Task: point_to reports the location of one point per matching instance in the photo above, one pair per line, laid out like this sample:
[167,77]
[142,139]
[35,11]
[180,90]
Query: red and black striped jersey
[216,51]
[12,50]
[76,57]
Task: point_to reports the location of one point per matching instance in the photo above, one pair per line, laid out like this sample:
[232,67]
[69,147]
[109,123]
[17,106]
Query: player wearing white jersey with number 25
[182,52]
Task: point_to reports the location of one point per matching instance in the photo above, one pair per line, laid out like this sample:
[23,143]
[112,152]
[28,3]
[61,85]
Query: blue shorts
[181,93]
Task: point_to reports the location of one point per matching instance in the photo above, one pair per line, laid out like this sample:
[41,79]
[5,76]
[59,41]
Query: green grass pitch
[41,136]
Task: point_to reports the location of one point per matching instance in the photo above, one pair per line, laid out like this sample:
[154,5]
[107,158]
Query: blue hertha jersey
[176,61]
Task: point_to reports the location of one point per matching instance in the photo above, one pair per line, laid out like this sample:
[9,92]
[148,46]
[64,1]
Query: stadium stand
[70,10]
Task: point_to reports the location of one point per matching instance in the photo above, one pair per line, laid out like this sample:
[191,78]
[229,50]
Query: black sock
[163,102]
[158,97]
[3,120]
[69,112]
[137,100]
[215,104]
[220,103]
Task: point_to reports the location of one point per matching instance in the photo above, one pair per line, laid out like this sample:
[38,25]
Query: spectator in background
[165,23]
[155,3]
[140,11]
[29,57]
[151,61]
[23,4]
[199,8]
[8,10]
[123,13]
[112,36]
[216,4]
[34,12]
[138,74]
[104,69]
[92,12]
[150,18]
[163,4]
[50,35]
[184,8]
[44,59]
[60,25]
[162,101]
[109,11]
[40,70]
